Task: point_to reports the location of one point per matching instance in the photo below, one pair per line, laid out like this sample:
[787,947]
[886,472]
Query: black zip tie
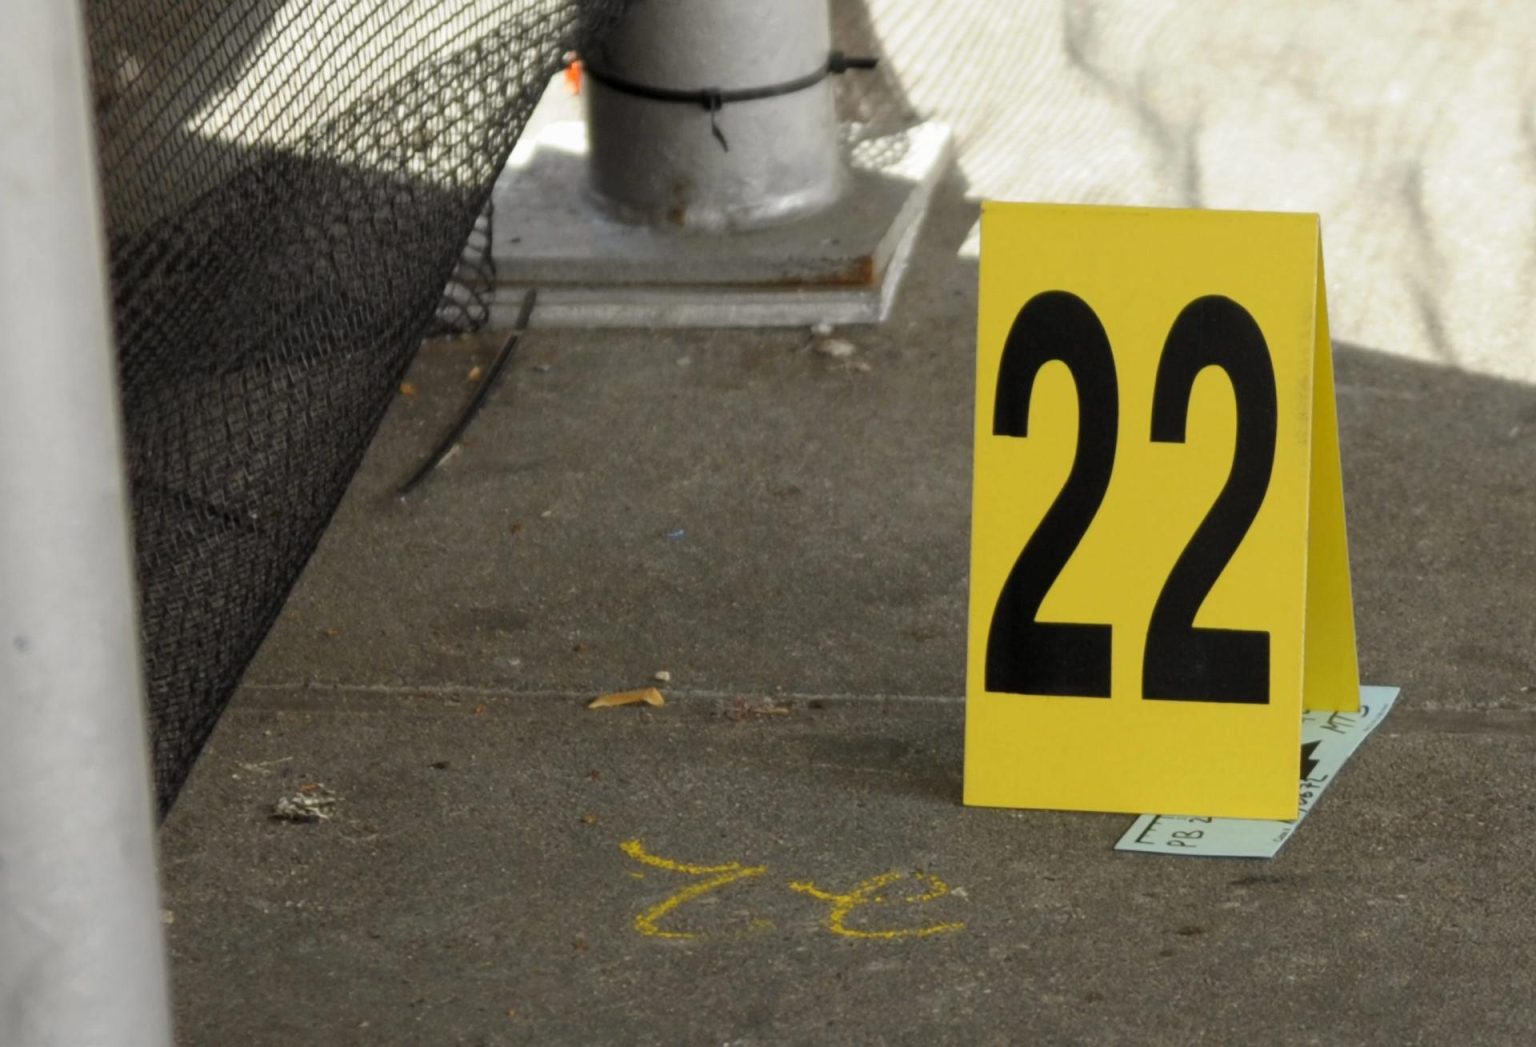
[713,105]
[839,63]
[449,442]
[713,99]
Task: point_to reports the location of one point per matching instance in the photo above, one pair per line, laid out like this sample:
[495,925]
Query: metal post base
[840,266]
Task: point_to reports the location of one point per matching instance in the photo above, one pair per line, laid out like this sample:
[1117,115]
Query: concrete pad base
[591,269]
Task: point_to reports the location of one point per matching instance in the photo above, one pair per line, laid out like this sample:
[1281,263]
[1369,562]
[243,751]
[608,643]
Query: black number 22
[1182,662]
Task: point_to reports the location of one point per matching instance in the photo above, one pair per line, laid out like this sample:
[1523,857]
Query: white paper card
[1328,740]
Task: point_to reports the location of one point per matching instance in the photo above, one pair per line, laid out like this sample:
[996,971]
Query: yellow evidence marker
[1159,577]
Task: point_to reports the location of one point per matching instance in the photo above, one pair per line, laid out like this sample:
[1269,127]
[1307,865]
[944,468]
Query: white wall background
[1410,125]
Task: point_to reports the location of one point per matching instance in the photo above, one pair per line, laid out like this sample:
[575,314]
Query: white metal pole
[81,952]
[747,163]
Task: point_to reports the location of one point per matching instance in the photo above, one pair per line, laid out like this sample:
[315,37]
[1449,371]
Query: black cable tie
[839,63]
[713,99]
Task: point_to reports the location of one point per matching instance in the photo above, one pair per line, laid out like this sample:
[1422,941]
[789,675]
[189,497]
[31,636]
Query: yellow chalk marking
[867,892]
[648,922]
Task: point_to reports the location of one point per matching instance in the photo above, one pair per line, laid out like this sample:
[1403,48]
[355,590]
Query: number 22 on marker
[1181,662]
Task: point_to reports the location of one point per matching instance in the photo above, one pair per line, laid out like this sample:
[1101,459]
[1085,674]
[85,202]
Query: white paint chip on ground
[312,803]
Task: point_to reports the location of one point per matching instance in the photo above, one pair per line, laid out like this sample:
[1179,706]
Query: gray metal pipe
[751,163]
[81,953]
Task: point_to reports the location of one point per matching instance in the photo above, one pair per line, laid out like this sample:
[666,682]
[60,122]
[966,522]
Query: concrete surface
[786,534]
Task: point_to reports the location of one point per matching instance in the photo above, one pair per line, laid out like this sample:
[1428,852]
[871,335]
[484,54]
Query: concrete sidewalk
[779,854]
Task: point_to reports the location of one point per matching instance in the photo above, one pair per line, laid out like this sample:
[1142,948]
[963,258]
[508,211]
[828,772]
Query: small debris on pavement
[676,535]
[440,765]
[264,766]
[821,330]
[475,373]
[662,676]
[589,819]
[646,695]
[836,348]
[407,389]
[312,803]
[741,709]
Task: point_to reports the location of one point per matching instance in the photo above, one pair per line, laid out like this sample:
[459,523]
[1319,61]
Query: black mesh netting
[290,185]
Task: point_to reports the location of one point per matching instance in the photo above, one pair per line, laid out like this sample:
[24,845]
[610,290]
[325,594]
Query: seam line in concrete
[1418,721]
[1461,721]
[467,691]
